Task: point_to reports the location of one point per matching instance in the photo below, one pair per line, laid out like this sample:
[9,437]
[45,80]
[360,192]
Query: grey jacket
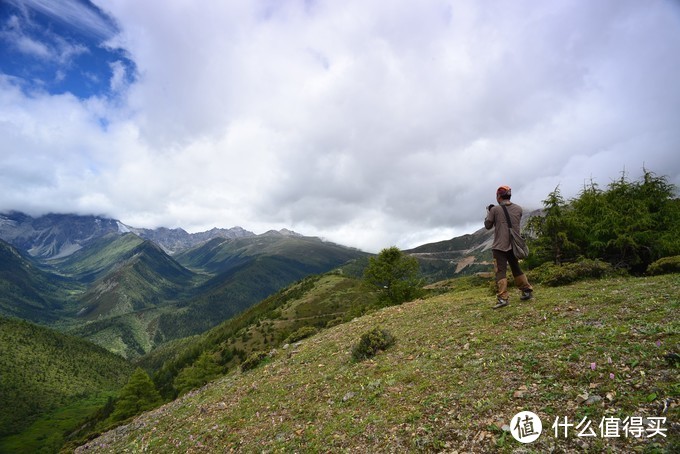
[496,218]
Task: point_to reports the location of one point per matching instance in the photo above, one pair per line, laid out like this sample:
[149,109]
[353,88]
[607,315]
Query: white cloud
[369,123]
[31,47]
[48,47]
[119,76]
[77,14]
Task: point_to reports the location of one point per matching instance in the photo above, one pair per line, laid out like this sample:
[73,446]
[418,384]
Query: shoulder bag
[519,246]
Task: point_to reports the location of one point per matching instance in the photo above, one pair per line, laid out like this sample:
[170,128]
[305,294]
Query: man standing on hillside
[497,217]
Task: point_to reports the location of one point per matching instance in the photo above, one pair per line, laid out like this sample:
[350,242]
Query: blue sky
[370,123]
[60,47]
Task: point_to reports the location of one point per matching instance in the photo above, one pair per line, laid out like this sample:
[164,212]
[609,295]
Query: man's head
[503,193]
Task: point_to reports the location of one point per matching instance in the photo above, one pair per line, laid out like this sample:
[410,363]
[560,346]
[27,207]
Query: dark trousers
[501,260]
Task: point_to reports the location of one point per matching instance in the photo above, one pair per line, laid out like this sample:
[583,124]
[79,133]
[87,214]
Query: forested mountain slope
[42,370]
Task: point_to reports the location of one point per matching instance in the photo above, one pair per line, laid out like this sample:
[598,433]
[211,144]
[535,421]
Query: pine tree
[138,395]
[551,232]
[395,275]
[201,372]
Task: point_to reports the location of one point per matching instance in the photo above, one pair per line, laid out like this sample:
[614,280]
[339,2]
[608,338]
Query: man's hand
[489,207]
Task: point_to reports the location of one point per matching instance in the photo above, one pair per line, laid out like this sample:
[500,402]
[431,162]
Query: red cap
[503,191]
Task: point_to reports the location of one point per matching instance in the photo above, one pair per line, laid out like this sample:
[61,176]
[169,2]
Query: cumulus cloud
[369,123]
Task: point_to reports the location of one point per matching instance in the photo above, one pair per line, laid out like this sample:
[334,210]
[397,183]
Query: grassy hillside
[456,376]
[42,370]
[221,255]
[98,257]
[317,301]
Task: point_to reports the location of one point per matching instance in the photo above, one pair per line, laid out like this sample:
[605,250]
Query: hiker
[502,248]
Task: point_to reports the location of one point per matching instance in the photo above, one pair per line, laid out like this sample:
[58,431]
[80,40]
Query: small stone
[348,396]
[593,399]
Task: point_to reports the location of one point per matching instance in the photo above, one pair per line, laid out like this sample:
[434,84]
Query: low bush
[334,322]
[665,265]
[302,333]
[253,361]
[555,275]
[371,343]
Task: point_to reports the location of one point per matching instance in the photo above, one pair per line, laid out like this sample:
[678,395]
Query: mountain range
[94,281]
[58,235]
[131,290]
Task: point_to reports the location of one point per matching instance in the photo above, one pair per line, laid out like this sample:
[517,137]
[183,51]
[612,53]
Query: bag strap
[507,216]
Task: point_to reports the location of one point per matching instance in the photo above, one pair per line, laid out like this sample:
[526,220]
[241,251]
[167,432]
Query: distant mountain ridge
[176,240]
[53,236]
[462,255]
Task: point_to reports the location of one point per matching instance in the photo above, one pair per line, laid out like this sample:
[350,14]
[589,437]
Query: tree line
[630,224]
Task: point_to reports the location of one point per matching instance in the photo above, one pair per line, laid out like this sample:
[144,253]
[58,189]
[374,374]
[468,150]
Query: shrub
[371,343]
[301,333]
[334,322]
[665,265]
[556,275]
[253,361]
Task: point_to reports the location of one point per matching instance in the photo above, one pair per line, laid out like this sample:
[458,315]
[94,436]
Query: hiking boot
[527,295]
[500,303]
